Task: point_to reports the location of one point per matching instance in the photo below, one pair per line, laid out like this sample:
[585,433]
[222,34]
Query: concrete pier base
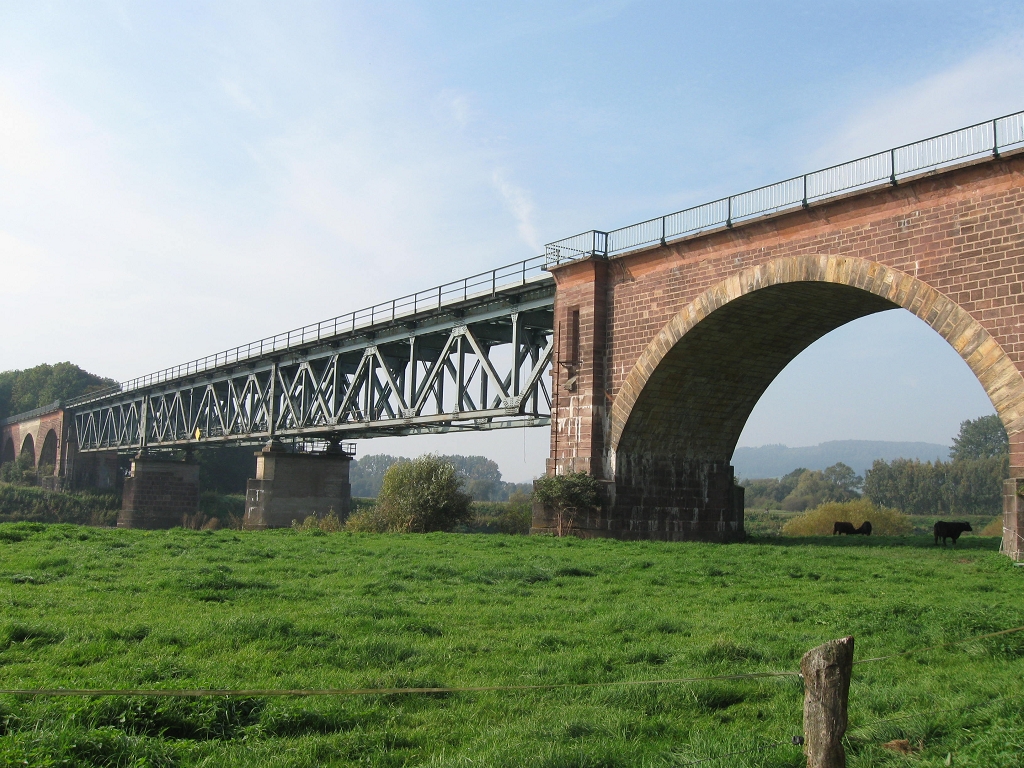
[159,493]
[292,486]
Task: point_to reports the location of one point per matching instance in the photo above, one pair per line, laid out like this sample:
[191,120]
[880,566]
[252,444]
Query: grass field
[87,607]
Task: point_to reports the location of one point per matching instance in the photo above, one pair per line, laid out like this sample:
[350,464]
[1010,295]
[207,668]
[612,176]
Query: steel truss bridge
[470,355]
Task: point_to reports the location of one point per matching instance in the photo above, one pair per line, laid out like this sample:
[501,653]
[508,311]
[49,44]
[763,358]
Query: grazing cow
[849,530]
[950,531]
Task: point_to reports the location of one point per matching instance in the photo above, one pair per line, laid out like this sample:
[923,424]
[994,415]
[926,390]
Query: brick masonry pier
[663,353]
[159,493]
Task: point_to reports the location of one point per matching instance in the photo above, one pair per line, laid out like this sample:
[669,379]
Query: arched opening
[678,416]
[48,453]
[7,454]
[28,448]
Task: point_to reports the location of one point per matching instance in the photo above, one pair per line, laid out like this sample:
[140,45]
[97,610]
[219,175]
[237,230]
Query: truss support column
[411,397]
[144,423]
[460,384]
[293,486]
[517,356]
[271,401]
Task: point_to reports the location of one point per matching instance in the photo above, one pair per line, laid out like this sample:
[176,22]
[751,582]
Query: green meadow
[96,608]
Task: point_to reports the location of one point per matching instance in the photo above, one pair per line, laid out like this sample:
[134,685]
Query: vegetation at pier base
[35,505]
[106,608]
[418,496]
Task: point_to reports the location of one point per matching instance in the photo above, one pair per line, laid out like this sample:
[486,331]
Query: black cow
[950,531]
[848,529]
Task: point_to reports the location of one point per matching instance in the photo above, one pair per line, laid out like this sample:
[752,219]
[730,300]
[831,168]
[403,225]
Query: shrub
[416,497]
[819,521]
[518,517]
[995,528]
[367,520]
[568,494]
[21,503]
[329,523]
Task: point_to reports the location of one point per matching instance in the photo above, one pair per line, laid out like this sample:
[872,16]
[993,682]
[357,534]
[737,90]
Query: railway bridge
[644,348]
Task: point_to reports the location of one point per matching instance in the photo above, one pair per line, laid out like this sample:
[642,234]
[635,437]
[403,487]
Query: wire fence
[761,747]
[255,692]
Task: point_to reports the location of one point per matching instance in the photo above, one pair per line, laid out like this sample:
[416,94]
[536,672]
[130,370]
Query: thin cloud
[982,86]
[520,205]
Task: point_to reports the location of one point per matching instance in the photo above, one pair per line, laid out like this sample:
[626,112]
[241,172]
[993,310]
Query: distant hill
[778,460]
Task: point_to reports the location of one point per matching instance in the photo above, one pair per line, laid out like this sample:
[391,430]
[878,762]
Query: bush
[819,521]
[21,471]
[568,494]
[26,504]
[416,497]
[995,528]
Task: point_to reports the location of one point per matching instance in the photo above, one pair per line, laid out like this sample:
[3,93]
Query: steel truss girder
[481,368]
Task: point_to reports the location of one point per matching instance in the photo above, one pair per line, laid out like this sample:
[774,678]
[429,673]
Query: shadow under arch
[7,453]
[28,448]
[48,453]
[676,419]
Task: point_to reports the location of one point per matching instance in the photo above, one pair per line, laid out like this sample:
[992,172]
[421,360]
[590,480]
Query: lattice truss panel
[477,374]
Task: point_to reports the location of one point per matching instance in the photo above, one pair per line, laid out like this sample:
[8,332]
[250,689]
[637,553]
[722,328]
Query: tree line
[969,483]
[481,475]
[32,388]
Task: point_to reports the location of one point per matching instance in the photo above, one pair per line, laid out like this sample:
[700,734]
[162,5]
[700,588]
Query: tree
[981,438]
[21,471]
[367,473]
[804,488]
[31,388]
[483,478]
[567,494]
[844,483]
[422,495]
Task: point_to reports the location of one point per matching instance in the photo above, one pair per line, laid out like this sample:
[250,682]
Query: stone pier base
[159,493]
[664,501]
[293,486]
[1013,518]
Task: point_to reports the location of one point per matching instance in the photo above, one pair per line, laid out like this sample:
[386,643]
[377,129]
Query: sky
[180,178]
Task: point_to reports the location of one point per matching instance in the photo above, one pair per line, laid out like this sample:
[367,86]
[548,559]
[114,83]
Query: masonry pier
[292,486]
[159,493]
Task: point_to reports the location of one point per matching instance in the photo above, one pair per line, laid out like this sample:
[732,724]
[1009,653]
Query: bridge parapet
[889,167]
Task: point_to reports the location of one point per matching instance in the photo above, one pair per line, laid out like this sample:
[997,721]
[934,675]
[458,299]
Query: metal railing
[890,166]
[887,167]
[476,286]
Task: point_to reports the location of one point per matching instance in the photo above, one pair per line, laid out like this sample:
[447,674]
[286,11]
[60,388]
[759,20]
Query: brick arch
[848,281]
[28,446]
[48,452]
[7,453]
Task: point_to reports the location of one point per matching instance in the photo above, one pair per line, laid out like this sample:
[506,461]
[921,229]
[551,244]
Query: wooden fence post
[826,672]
